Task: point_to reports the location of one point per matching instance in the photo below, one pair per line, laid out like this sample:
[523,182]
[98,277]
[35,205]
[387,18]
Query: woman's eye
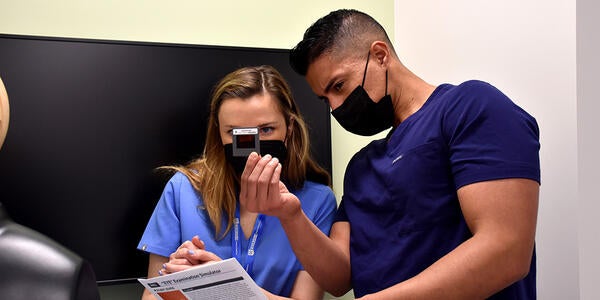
[266,130]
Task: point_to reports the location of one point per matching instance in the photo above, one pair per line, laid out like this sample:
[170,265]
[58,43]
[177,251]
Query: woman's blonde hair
[214,178]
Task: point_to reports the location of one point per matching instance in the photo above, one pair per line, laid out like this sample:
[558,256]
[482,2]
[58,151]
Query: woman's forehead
[252,111]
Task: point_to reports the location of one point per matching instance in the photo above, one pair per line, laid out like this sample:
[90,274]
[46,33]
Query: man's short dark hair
[340,29]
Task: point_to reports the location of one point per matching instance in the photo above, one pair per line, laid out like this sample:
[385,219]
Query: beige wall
[258,23]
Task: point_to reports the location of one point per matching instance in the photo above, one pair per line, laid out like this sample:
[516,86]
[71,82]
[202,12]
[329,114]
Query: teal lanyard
[236,244]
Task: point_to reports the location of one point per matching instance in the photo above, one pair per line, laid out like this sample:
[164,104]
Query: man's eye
[338,86]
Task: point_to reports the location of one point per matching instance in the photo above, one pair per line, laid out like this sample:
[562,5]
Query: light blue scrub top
[178,217]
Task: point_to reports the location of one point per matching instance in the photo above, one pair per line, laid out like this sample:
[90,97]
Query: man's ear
[381,51]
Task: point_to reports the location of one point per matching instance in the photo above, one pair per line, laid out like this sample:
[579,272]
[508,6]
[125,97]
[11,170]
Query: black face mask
[274,147]
[360,115]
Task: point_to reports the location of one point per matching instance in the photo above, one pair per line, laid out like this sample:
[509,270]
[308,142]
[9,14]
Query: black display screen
[92,119]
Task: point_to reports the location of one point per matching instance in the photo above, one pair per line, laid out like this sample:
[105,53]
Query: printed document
[221,280]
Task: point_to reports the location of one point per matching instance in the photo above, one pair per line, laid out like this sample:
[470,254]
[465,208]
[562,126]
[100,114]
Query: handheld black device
[245,141]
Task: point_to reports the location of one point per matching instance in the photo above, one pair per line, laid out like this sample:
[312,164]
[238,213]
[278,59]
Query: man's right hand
[262,191]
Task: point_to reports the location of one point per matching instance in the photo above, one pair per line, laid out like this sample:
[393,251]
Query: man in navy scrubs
[444,207]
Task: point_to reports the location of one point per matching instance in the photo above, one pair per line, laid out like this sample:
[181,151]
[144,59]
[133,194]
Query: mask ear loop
[366,65]
[386,82]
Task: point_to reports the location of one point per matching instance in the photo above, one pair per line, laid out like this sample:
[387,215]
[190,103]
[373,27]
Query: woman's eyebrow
[268,124]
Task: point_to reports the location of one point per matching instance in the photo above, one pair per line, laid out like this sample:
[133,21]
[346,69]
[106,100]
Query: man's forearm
[322,257]
[475,270]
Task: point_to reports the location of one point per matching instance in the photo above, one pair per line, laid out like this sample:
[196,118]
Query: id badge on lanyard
[236,242]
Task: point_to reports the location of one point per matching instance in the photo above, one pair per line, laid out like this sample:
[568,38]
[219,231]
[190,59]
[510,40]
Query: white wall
[527,48]
[588,64]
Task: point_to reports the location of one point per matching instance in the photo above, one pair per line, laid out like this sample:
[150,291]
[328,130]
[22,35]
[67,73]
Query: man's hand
[262,191]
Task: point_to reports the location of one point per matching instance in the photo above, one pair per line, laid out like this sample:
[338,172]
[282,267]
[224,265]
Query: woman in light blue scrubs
[201,200]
